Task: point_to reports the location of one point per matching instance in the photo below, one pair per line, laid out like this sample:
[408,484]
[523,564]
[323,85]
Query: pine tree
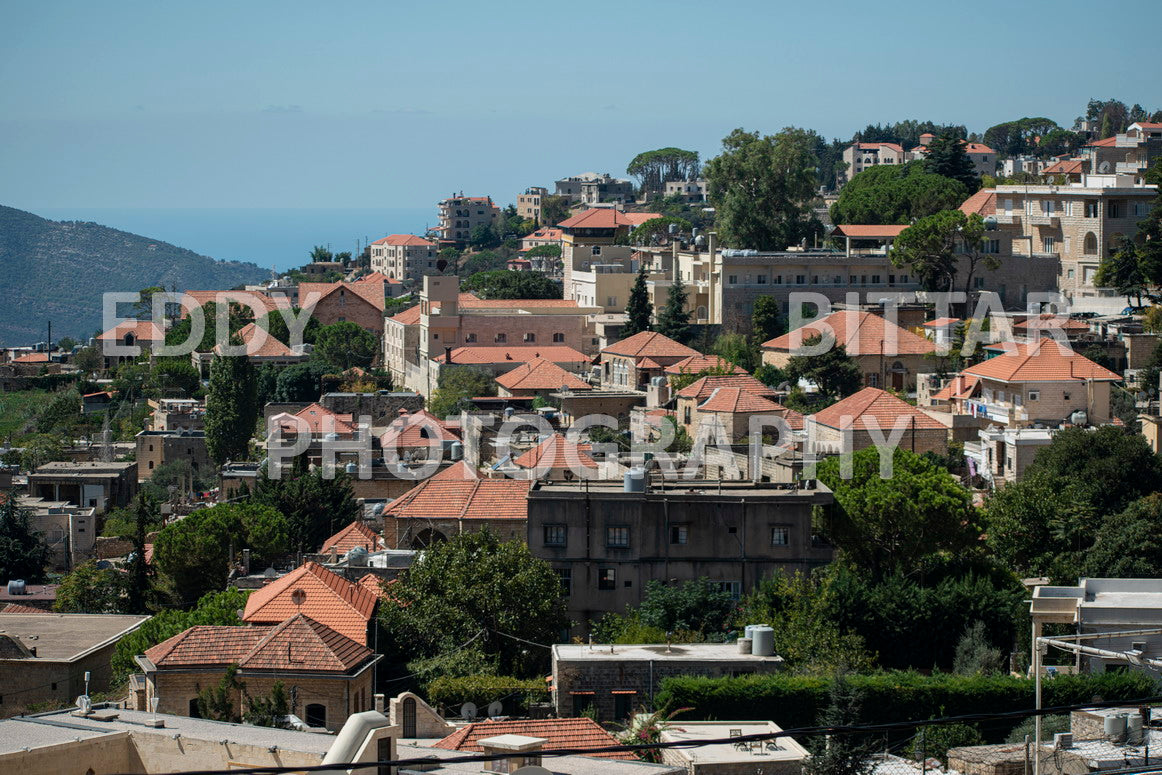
[674,320]
[766,321]
[638,308]
[22,554]
[946,156]
[137,589]
[231,407]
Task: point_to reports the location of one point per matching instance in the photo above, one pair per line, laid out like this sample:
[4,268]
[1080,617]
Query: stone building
[102,486]
[861,420]
[159,448]
[460,215]
[403,257]
[437,509]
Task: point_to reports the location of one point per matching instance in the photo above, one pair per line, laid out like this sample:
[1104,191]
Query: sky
[397,104]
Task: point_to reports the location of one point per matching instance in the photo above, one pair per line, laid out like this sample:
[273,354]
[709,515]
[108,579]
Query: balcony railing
[1045,219]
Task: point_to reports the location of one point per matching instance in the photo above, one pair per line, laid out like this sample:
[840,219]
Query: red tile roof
[941,322]
[977,148]
[548,233]
[370,292]
[857,409]
[459,471]
[297,644]
[701,388]
[33,358]
[1065,167]
[404,239]
[733,400]
[355,534]
[876,146]
[1047,322]
[475,499]
[318,418]
[557,452]
[650,344]
[557,733]
[419,429]
[1042,361]
[983,203]
[469,302]
[605,218]
[373,584]
[270,348]
[959,387]
[17,608]
[861,333]
[540,374]
[868,232]
[409,317]
[696,364]
[1108,142]
[326,597]
[269,303]
[142,330]
[637,219]
[478,354]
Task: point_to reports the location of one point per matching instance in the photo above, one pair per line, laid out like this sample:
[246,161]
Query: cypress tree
[674,320]
[638,308]
[946,156]
[231,407]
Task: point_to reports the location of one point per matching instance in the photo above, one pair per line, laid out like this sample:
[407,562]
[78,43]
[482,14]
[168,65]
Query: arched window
[427,537]
[316,715]
[700,313]
[409,717]
[1090,248]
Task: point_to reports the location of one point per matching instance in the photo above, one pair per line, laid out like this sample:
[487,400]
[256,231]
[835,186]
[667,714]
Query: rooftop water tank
[762,641]
[357,556]
[456,451]
[1115,727]
[16,587]
[748,631]
[634,480]
[352,468]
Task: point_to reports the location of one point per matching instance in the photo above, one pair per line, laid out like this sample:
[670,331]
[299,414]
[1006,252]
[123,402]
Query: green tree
[737,349]
[674,319]
[766,319]
[274,323]
[315,507]
[896,194]
[484,261]
[44,448]
[834,371]
[976,654]
[928,249]
[67,343]
[1123,271]
[171,377]
[457,385]
[507,284]
[231,408]
[88,589]
[548,251]
[638,309]
[475,587]
[321,254]
[194,553]
[654,169]
[1129,545]
[300,382]
[655,229]
[844,754]
[698,605]
[344,345]
[221,701]
[137,580]
[268,711]
[22,553]
[762,187]
[483,237]
[89,360]
[1022,524]
[554,209]
[946,156]
[891,524]
[267,532]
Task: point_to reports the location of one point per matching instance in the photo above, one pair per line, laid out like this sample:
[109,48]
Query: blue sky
[393,104]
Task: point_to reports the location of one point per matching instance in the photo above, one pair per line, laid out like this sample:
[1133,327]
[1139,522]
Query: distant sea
[281,239]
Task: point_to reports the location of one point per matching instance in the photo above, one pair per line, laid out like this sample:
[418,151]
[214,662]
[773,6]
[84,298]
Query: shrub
[485,689]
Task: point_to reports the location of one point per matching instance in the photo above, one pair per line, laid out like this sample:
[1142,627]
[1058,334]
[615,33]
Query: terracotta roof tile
[983,203]
[270,348]
[605,218]
[459,471]
[1065,167]
[355,534]
[319,419]
[861,231]
[404,239]
[557,733]
[650,344]
[1048,322]
[734,400]
[326,597]
[861,333]
[704,386]
[1042,361]
[419,429]
[556,452]
[17,608]
[941,322]
[478,354]
[541,374]
[475,499]
[959,387]
[872,402]
[372,292]
[409,317]
[142,330]
[696,364]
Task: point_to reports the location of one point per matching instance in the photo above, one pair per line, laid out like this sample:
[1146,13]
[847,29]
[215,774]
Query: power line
[683,744]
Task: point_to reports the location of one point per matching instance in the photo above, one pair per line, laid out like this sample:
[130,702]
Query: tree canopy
[654,169]
[638,308]
[930,246]
[507,284]
[656,228]
[314,506]
[346,344]
[834,371]
[674,318]
[762,187]
[22,554]
[1023,136]
[946,156]
[889,194]
[1129,545]
[457,385]
[231,408]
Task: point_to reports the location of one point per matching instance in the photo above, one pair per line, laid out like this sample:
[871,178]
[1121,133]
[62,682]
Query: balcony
[1053,220]
[1129,167]
[1006,219]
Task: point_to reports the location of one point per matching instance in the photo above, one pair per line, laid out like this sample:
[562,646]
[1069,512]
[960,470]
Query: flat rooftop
[65,637]
[655,652]
[781,749]
[567,765]
[726,490]
[85,469]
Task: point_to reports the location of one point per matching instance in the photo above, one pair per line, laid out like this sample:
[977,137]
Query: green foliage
[220,701]
[507,284]
[484,261]
[174,377]
[483,690]
[697,605]
[92,590]
[888,696]
[946,156]
[771,376]
[179,474]
[739,350]
[1050,726]
[89,360]
[834,371]
[654,169]
[929,248]
[483,236]
[1025,136]
[762,187]
[194,553]
[554,209]
[655,229]
[268,711]
[346,345]
[976,654]
[300,382]
[906,133]
[1124,271]
[638,308]
[474,587]
[315,506]
[674,319]
[220,608]
[274,323]
[61,413]
[266,531]
[457,385]
[896,194]
[935,740]
[840,754]
[766,320]
[548,251]
[888,524]
[40,449]
[231,408]
[22,554]
[237,316]
[1129,545]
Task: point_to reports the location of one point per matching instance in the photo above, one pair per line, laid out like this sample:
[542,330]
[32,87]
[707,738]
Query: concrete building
[178,414]
[360,302]
[158,448]
[606,543]
[331,674]
[404,257]
[102,486]
[1103,605]
[528,204]
[44,656]
[613,680]
[69,530]
[589,188]
[688,191]
[599,264]
[732,398]
[1002,454]
[1127,153]
[780,756]
[460,215]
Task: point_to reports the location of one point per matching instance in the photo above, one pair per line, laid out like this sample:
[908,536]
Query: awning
[623,691]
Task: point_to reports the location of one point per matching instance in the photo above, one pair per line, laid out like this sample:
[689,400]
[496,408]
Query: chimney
[379,703]
[447,354]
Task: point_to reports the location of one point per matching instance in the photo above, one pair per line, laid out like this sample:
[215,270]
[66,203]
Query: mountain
[57,270]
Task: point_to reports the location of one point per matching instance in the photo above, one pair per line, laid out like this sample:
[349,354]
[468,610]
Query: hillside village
[656,474]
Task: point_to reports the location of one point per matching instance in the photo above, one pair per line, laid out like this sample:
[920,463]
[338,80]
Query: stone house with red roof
[634,361]
[887,355]
[865,417]
[556,458]
[358,302]
[539,377]
[326,675]
[732,399]
[436,509]
[314,591]
[404,257]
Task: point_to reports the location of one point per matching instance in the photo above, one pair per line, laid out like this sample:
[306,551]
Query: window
[732,279]
[501,338]
[611,301]
[606,578]
[679,534]
[800,279]
[1090,245]
[1000,396]
[1047,244]
[555,535]
[978,282]
[558,338]
[530,337]
[780,535]
[150,465]
[873,380]
[1065,396]
[316,715]
[469,338]
[733,588]
[1114,210]
[1034,395]
[762,279]
[582,702]
[904,279]
[875,279]
[1090,209]
[595,250]
[1070,273]
[566,577]
[852,280]
[991,246]
[623,704]
[617,535]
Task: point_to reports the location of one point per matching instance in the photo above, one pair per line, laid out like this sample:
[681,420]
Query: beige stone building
[459,215]
[600,266]
[528,204]
[590,188]
[1127,153]
[862,156]
[102,486]
[854,423]
[69,530]
[983,158]
[157,448]
[688,191]
[633,362]
[404,257]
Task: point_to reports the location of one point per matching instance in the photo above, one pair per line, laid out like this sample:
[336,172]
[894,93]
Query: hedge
[483,690]
[796,700]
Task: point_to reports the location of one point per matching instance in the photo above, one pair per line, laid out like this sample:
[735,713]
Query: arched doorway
[409,717]
[898,374]
[194,711]
[427,537]
[316,715]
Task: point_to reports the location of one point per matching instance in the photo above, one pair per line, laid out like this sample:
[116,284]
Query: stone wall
[378,406]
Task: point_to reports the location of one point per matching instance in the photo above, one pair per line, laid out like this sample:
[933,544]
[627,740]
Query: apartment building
[688,191]
[606,542]
[862,156]
[1127,153]
[99,485]
[459,215]
[158,448]
[68,530]
[600,266]
[528,204]
[404,257]
[1075,225]
[178,414]
[589,188]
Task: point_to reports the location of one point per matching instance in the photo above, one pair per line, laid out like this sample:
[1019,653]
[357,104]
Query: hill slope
[57,270]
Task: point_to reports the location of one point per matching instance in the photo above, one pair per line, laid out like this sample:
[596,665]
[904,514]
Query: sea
[278,239]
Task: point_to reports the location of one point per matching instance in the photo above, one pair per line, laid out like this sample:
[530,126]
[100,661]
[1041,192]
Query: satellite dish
[532,769]
[1103,167]
[298,597]
[495,709]
[468,710]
